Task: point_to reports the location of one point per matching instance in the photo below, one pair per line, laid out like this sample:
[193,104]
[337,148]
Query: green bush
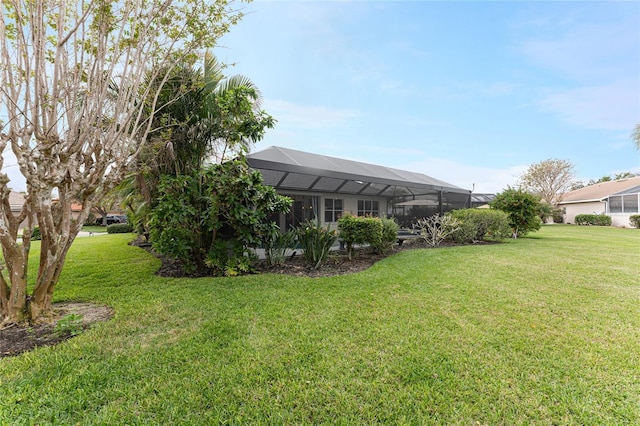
[277,245]
[634,219]
[593,219]
[476,224]
[389,235]
[523,209]
[379,233]
[119,228]
[36,235]
[316,243]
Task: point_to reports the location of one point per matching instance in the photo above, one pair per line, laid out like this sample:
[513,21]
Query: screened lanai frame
[289,170]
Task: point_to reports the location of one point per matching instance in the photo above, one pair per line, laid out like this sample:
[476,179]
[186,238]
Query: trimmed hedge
[593,219]
[379,233]
[476,224]
[119,228]
[634,219]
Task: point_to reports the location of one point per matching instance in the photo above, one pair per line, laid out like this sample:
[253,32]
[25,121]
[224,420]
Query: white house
[323,188]
[618,199]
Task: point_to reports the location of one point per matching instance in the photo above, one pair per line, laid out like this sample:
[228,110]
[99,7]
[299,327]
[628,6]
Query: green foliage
[379,233]
[119,228]
[316,243]
[634,219]
[36,235]
[410,340]
[70,325]
[476,224]
[389,235]
[523,209]
[277,246]
[593,219]
[213,216]
[557,216]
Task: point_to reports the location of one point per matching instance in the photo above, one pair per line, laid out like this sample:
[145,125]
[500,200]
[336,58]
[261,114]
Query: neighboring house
[481,200]
[618,199]
[324,188]
[16,201]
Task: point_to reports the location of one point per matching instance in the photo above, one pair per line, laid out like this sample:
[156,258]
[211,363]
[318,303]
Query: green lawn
[541,330]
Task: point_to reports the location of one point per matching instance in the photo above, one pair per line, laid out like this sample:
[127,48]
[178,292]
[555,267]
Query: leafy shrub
[228,258]
[70,325]
[379,233]
[557,216]
[316,243]
[593,219]
[435,229]
[635,220]
[389,235]
[277,245]
[523,209]
[119,228]
[36,235]
[476,224]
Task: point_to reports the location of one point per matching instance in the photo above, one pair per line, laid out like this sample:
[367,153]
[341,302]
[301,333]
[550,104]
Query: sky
[468,92]
[471,92]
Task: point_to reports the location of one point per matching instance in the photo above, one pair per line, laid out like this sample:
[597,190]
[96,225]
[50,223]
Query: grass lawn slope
[539,330]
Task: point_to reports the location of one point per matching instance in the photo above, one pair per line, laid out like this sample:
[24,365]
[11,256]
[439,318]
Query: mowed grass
[540,330]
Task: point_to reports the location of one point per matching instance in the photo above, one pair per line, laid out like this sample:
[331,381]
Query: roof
[285,168]
[478,198]
[602,190]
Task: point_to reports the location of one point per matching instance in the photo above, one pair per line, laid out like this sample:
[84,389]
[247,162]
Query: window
[332,209]
[368,208]
[615,204]
[630,203]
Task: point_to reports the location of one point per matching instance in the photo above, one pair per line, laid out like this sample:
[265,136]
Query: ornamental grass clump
[316,242]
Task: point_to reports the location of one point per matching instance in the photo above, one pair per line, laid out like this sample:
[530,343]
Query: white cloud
[477,178]
[290,114]
[613,106]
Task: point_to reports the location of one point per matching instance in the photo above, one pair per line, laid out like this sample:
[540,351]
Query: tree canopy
[548,179]
[74,74]
[523,209]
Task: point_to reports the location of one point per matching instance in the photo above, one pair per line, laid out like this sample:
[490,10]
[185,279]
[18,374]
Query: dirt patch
[16,339]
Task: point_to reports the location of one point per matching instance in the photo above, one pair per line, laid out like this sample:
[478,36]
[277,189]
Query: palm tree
[636,136]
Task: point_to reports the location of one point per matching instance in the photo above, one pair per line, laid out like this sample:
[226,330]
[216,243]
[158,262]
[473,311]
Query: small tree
[523,209]
[548,179]
[72,75]
[209,220]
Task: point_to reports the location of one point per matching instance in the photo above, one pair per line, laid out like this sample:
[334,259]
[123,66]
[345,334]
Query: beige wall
[572,210]
[595,207]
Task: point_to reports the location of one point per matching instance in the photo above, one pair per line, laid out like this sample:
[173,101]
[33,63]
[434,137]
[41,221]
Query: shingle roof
[291,169]
[600,190]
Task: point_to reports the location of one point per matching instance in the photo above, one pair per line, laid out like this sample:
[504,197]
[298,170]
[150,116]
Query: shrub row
[119,228]
[593,219]
[379,233]
[635,220]
[475,224]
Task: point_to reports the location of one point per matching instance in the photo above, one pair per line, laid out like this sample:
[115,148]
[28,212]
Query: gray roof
[285,168]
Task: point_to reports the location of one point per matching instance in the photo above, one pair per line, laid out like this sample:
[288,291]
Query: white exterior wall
[572,210]
[621,220]
[595,207]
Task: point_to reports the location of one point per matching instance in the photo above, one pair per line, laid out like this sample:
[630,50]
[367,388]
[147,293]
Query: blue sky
[468,92]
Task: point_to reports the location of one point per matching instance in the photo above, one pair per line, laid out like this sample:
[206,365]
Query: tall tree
[636,136]
[548,179]
[73,73]
[207,118]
